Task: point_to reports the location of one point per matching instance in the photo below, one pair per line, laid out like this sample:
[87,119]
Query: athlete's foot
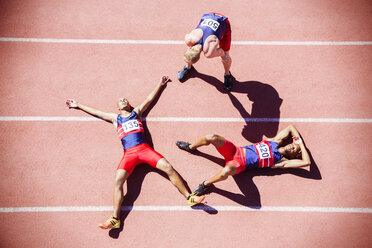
[194,199]
[228,81]
[182,74]
[185,146]
[200,190]
[111,223]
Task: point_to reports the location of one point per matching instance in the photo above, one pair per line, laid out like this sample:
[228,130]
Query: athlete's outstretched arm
[110,117]
[296,163]
[151,97]
[284,134]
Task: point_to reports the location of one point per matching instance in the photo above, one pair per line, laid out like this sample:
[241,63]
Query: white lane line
[179,42]
[190,119]
[186,208]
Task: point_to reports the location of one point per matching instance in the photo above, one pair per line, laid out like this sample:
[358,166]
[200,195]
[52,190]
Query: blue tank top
[130,130]
[212,24]
[252,160]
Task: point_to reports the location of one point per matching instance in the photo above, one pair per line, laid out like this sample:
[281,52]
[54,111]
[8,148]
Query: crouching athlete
[136,150]
[269,153]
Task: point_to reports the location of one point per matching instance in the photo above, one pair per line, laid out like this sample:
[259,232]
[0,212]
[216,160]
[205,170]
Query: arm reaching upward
[151,97]
[109,117]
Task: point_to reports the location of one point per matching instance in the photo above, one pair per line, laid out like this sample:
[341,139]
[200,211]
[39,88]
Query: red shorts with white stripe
[139,154]
[233,155]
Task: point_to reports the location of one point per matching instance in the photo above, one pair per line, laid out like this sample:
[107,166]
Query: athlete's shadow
[250,195]
[265,113]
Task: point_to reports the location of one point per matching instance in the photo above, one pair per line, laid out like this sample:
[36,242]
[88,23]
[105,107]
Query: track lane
[55,72]
[253,20]
[79,164]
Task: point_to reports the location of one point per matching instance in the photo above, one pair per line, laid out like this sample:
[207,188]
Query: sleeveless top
[262,154]
[212,24]
[130,130]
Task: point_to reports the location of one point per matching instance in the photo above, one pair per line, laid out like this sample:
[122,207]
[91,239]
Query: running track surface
[55,165]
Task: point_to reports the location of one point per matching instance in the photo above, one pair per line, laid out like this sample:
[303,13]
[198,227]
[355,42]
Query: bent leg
[228,170]
[173,175]
[121,177]
[214,139]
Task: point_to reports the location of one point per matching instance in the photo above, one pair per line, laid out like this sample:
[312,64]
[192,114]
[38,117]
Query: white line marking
[186,208]
[178,42]
[190,119]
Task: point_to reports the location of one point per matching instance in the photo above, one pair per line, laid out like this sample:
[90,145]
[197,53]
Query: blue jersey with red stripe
[212,23]
[130,130]
[262,154]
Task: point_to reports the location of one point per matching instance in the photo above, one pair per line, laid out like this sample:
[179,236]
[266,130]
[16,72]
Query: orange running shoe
[194,199]
[110,224]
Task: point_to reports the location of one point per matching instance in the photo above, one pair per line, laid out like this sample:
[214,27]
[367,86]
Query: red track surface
[46,164]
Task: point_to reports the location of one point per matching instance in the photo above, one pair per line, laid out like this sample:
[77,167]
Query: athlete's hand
[71,103]
[164,80]
[297,140]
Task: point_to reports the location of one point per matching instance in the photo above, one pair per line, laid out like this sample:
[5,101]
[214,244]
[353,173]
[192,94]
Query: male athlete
[213,37]
[268,153]
[136,150]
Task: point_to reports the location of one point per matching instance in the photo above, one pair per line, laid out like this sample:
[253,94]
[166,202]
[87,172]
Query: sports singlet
[262,154]
[130,130]
[212,24]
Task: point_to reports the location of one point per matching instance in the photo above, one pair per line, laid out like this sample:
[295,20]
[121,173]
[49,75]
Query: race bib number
[210,23]
[264,154]
[129,126]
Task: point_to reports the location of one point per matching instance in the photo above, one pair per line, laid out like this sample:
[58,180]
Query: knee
[168,169]
[229,170]
[211,138]
[119,180]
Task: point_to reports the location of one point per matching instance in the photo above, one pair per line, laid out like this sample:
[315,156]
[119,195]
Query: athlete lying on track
[136,150]
[267,153]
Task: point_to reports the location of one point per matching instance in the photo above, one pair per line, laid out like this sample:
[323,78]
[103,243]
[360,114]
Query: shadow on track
[266,105]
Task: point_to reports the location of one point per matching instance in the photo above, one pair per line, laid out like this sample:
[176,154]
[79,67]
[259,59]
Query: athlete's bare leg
[226,62]
[173,175]
[214,139]
[228,170]
[121,177]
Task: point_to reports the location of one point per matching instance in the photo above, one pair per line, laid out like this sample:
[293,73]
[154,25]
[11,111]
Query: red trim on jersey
[122,133]
[264,162]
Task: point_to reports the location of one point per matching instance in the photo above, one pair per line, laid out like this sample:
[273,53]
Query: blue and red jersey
[130,130]
[212,24]
[261,155]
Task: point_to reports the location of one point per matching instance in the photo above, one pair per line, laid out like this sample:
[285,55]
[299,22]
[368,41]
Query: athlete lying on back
[268,153]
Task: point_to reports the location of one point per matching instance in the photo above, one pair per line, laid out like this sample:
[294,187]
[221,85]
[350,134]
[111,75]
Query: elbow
[188,41]
[292,127]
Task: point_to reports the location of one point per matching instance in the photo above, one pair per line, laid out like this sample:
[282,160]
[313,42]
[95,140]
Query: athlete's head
[123,104]
[292,151]
[192,54]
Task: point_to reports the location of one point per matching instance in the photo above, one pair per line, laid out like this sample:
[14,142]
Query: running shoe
[228,81]
[194,199]
[110,224]
[200,190]
[184,146]
[183,73]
